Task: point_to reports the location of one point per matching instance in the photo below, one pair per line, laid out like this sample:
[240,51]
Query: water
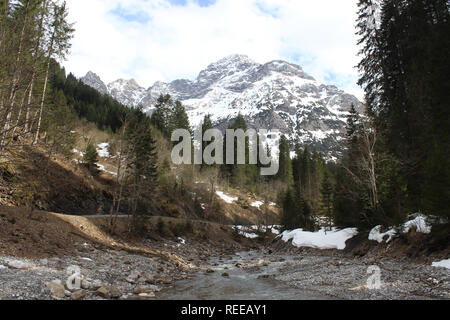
[240,285]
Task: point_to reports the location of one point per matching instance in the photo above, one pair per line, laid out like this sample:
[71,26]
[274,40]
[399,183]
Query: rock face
[94,81]
[275,95]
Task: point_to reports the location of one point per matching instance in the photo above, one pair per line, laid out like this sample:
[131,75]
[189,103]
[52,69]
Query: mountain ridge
[274,95]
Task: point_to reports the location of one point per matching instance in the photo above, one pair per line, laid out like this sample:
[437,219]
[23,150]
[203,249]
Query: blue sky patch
[272,11]
[130,15]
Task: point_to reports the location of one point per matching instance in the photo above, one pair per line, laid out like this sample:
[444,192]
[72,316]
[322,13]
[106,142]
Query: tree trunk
[14,82]
[39,120]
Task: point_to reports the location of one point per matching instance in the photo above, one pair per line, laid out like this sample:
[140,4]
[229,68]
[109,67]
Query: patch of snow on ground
[251,231]
[419,223]
[78,152]
[245,231]
[322,239]
[102,168]
[442,264]
[226,198]
[257,204]
[376,234]
[102,150]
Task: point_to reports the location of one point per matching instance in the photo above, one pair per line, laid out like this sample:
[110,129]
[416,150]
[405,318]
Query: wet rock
[210,271]
[225,275]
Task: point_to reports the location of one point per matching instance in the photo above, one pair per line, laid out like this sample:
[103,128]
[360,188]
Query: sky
[165,40]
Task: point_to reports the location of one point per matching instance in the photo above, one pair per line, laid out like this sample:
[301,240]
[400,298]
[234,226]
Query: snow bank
[419,223]
[226,198]
[376,234]
[322,239]
[442,264]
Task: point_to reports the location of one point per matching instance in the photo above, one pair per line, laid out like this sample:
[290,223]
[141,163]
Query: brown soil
[44,234]
[37,236]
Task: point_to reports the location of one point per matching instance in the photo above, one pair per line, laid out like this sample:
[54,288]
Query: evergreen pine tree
[90,158]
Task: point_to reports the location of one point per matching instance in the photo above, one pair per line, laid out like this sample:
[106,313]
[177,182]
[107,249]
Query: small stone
[57,290]
[103,292]
[142,289]
[43,262]
[154,288]
[67,293]
[115,292]
[85,284]
[225,274]
[209,271]
[132,278]
[96,284]
[78,295]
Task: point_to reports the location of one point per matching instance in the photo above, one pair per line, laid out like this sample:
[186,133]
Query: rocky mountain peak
[275,95]
[287,69]
[93,80]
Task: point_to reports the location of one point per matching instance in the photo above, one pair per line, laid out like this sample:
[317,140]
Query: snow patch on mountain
[275,95]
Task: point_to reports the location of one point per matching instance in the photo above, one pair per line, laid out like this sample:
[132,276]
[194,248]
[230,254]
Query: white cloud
[154,40]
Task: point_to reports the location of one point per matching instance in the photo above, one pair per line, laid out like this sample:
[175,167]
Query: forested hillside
[394,161]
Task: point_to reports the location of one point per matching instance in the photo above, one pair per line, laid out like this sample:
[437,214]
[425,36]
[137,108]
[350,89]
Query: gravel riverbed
[257,274]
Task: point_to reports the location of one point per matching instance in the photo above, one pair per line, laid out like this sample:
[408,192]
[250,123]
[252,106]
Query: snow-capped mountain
[275,95]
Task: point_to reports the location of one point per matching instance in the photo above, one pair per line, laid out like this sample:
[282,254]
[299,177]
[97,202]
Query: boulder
[103,292]
[17,264]
[78,295]
[57,290]
[114,292]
